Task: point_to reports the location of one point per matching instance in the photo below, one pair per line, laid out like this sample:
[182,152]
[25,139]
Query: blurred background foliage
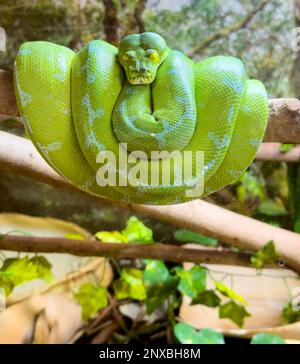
[257,31]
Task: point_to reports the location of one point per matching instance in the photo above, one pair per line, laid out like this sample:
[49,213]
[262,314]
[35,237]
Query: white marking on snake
[93,114]
[219,142]
[25,97]
[234,173]
[24,52]
[254,142]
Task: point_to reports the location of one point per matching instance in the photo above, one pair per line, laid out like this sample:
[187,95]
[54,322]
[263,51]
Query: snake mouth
[140,79]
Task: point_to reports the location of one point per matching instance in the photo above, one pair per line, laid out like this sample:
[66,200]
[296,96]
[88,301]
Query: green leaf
[272,208]
[111,237]
[207,298]
[136,231]
[210,336]
[74,236]
[6,284]
[186,334]
[191,282]
[289,314]
[250,186]
[15,271]
[266,255]
[228,292]
[286,147]
[235,312]
[159,284]
[43,268]
[130,285]
[190,236]
[18,270]
[266,339]
[91,299]
[273,222]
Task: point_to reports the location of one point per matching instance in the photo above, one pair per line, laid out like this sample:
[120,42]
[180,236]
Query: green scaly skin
[75,105]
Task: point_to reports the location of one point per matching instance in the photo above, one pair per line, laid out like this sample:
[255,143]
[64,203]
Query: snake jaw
[135,78]
[140,70]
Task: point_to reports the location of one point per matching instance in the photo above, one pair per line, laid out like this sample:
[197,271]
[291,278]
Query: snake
[126,123]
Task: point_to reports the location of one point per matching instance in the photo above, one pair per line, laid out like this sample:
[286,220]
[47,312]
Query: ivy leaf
[209,336]
[207,298]
[159,284]
[6,284]
[184,235]
[111,237]
[136,231]
[130,285]
[285,147]
[266,255]
[228,292]
[91,298]
[18,270]
[266,339]
[186,334]
[43,268]
[15,271]
[235,312]
[289,314]
[191,282]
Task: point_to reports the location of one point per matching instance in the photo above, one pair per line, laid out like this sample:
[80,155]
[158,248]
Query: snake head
[140,55]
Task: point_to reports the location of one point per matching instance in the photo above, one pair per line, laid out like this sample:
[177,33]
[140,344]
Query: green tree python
[108,119]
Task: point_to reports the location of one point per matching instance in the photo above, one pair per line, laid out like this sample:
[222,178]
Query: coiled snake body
[147,97]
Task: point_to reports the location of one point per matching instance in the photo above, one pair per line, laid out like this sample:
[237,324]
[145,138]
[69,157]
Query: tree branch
[284,121]
[223,33]
[164,252]
[111,23]
[138,15]
[271,152]
[8,105]
[19,155]
[283,125]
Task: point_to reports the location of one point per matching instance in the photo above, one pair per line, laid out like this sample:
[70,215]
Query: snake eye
[125,58]
[154,56]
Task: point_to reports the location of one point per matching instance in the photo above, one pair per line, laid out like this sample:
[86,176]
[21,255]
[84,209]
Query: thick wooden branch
[271,152]
[19,155]
[284,121]
[8,105]
[283,126]
[171,253]
[230,227]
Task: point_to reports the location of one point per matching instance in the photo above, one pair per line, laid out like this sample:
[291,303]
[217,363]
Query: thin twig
[105,334]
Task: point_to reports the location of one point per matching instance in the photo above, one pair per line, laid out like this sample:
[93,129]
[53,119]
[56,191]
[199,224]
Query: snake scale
[119,108]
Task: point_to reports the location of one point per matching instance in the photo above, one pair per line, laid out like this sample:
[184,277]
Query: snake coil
[105,116]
